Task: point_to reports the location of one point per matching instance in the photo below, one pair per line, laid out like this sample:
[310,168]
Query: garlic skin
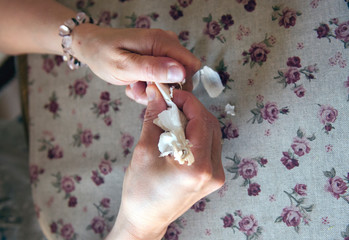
[210,79]
[230,109]
[173,122]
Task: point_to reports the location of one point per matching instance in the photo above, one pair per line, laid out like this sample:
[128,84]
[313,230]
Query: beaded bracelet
[65,31]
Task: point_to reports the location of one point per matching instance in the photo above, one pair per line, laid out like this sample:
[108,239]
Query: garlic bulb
[173,122]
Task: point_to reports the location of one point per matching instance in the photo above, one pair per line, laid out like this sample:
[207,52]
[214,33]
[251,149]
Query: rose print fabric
[283,65]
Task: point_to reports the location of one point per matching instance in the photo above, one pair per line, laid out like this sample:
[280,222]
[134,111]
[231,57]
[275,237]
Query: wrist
[124,230]
[82,44]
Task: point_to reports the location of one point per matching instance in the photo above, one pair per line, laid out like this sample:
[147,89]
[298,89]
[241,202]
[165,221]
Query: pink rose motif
[67,184]
[199,206]
[58,60]
[227,21]
[48,65]
[98,180]
[53,227]
[105,202]
[336,186]
[224,77]
[254,189]
[230,131]
[107,120]
[175,12]
[103,107]
[34,172]
[258,52]
[270,112]
[248,168]
[288,161]
[67,231]
[250,6]
[294,62]
[105,96]
[105,18]
[105,167]
[80,87]
[55,152]
[127,141]
[228,221]
[327,114]
[301,189]
[53,107]
[73,201]
[185,3]
[292,75]
[143,22]
[288,18]
[322,31]
[342,31]
[86,137]
[300,146]
[248,225]
[184,36]
[212,29]
[313,68]
[172,232]
[98,224]
[291,216]
[299,91]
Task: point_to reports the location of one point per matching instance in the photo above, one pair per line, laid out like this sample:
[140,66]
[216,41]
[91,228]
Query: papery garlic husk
[210,79]
[230,109]
[173,122]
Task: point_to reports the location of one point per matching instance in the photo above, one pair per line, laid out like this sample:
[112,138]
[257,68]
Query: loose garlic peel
[173,122]
[210,79]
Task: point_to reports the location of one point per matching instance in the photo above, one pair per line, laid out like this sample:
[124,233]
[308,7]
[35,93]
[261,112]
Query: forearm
[31,26]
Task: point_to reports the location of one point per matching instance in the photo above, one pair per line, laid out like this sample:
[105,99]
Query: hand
[134,56]
[158,190]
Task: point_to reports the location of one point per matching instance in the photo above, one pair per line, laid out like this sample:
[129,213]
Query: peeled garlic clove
[211,81]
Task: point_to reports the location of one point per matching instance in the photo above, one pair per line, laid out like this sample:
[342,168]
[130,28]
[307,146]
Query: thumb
[153,69]
[156,104]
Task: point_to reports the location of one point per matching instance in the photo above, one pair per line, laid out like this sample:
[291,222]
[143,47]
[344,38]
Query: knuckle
[149,71]
[202,177]
[149,116]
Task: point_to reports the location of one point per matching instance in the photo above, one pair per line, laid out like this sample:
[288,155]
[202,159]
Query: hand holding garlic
[157,190]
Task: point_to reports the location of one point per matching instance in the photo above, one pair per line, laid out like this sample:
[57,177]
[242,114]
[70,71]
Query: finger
[136,91]
[149,68]
[190,105]
[160,43]
[156,104]
[200,136]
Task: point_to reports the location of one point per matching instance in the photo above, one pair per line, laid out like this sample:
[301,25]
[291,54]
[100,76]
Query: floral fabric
[284,65]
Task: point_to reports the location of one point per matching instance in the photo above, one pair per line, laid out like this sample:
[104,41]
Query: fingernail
[174,74]
[150,93]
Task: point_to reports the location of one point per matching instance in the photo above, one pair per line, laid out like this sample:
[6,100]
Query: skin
[119,56]
[132,57]
[156,190]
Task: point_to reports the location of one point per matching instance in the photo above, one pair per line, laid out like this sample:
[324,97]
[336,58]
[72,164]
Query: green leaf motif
[300,134]
[330,174]
[276,8]
[312,138]
[278,219]
[207,19]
